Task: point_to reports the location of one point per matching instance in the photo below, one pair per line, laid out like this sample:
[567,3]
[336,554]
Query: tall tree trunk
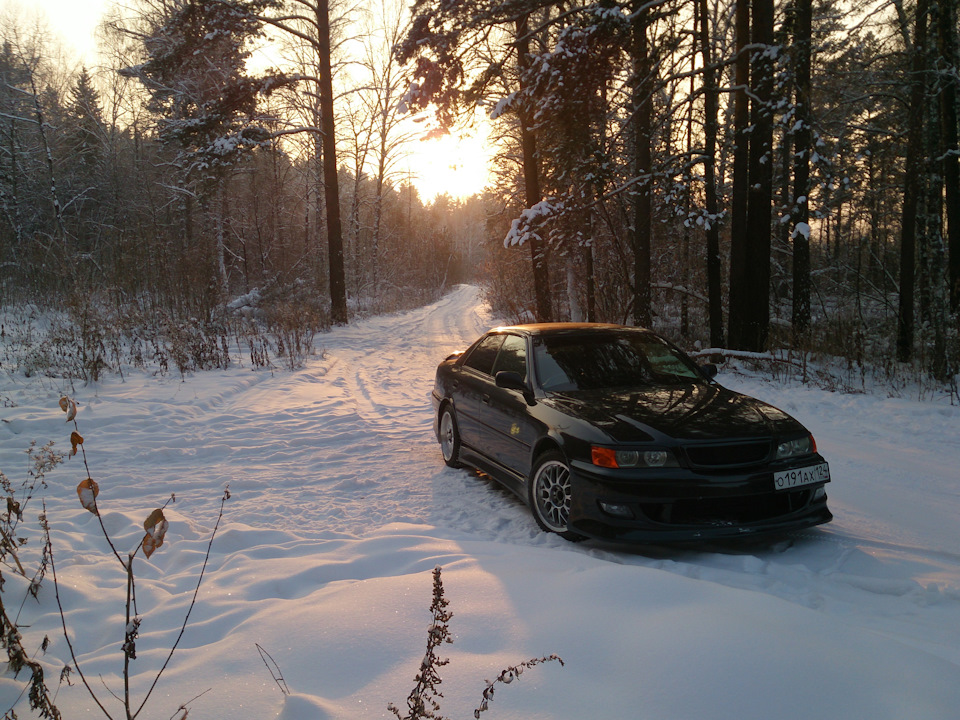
[531,181]
[218,220]
[760,197]
[803,140]
[378,217]
[355,250]
[710,110]
[947,45]
[591,289]
[321,266]
[739,278]
[573,292]
[331,184]
[911,190]
[643,165]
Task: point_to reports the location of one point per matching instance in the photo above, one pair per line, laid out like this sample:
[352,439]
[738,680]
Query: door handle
[485,399]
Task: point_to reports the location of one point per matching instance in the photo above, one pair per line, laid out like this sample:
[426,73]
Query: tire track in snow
[344,447]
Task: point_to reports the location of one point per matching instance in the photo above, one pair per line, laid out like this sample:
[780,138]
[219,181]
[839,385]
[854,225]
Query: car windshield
[600,361]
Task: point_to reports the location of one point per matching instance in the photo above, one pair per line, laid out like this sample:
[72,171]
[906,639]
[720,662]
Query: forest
[747,175]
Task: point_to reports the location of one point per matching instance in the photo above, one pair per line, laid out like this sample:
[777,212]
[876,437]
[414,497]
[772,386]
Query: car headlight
[794,448]
[649,458]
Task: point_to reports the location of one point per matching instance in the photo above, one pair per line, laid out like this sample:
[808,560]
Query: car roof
[565,328]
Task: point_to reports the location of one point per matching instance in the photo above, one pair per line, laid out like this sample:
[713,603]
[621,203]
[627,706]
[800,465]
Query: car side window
[482,357]
[513,356]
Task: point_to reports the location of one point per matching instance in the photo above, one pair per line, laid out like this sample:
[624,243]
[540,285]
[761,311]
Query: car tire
[549,494]
[449,437]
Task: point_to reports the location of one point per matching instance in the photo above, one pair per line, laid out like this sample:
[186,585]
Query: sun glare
[75,23]
[456,164]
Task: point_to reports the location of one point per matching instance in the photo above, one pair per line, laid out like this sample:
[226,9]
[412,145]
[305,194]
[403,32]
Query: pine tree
[206,104]
[85,133]
[196,75]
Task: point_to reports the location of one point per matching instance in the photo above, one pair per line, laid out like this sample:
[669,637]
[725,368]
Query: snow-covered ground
[341,507]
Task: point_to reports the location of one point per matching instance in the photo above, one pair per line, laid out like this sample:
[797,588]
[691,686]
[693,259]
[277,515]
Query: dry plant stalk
[424,700]
[155,529]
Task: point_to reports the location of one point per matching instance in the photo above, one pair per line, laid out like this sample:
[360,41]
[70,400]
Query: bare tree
[309,23]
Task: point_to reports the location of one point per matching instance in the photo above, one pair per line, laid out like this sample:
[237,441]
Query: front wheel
[449,438]
[549,492]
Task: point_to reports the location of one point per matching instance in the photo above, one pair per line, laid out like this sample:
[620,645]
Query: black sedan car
[613,433]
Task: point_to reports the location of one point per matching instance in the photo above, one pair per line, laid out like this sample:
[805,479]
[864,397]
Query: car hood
[692,411]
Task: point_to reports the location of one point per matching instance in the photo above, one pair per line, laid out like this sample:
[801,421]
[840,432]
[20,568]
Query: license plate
[789,479]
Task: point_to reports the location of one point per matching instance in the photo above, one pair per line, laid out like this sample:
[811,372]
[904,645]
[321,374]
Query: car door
[472,393]
[509,431]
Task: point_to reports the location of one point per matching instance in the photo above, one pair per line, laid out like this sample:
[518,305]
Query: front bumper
[680,504]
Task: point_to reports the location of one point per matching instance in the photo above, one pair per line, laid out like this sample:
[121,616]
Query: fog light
[616,509]
[820,493]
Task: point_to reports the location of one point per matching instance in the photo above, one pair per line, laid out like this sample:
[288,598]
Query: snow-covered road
[341,506]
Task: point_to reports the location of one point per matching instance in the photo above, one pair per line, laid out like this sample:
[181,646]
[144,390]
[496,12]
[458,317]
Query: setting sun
[456,164]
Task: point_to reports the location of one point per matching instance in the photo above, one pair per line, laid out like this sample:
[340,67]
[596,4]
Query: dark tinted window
[609,360]
[513,356]
[481,358]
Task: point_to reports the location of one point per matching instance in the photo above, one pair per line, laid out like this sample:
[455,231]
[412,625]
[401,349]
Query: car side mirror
[514,381]
[511,380]
[710,370]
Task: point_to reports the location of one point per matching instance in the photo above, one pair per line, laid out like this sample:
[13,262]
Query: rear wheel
[549,494]
[449,437]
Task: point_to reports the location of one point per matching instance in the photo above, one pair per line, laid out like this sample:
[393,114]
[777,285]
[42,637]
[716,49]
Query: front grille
[728,511]
[729,455]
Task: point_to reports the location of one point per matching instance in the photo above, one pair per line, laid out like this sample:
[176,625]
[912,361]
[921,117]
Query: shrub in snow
[88,490]
[423,701]
[13,543]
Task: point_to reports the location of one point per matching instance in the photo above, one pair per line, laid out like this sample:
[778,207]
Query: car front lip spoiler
[589,520]
[656,533]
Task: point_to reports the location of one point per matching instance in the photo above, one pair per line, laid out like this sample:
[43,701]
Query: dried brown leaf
[69,407]
[149,545]
[153,519]
[87,491]
[156,526]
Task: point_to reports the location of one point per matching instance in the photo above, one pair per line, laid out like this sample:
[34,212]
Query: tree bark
[531,182]
[911,190]
[801,169]
[331,184]
[739,297]
[947,44]
[760,196]
[643,166]
[711,104]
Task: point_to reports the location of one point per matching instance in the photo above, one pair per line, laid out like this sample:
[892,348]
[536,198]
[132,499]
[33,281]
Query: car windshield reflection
[609,362]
